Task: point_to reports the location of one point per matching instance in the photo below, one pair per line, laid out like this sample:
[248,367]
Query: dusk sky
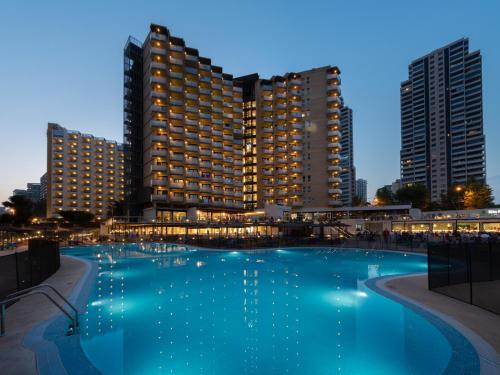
[62,61]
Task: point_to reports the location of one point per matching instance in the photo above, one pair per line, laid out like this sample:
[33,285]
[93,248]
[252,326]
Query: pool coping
[489,358]
[56,354]
[66,353]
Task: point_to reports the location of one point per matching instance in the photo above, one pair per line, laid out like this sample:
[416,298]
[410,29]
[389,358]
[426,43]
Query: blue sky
[62,62]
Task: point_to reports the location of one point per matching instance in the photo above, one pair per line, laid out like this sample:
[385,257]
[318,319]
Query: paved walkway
[15,359]
[481,322]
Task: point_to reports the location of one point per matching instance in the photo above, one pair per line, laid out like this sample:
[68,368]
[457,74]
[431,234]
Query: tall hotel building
[84,173]
[442,140]
[183,131]
[348,173]
[200,142]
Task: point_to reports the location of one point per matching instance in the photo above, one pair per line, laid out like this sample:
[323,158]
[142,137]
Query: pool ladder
[14,297]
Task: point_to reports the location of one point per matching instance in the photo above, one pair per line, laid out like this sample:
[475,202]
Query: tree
[6,219]
[357,201]
[416,195]
[384,196]
[453,198]
[477,195]
[80,218]
[22,208]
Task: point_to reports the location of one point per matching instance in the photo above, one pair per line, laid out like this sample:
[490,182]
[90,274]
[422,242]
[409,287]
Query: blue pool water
[167,309]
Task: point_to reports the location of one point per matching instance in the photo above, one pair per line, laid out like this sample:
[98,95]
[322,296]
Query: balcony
[192,173]
[295,103]
[333,99]
[218,190]
[157,79]
[159,94]
[174,60]
[332,76]
[334,145]
[159,197]
[204,151]
[192,161]
[175,88]
[205,140]
[281,139]
[192,148]
[177,198]
[205,164]
[158,36]
[177,116]
[333,111]
[334,191]
[192,96]
[176,129]
[192,186]
[334,122]
[333,157]
[217,155]
[206,189]
[296,170]
[177,157]
[159,138]
[297,147]
[190,83]
[158,153]
[158,123]
[177,185]
[177,170]
[332,87]
[335,180]
[217,144]
[173,74]
[295,82]
[191,57]
[176,143]
[159,182]
[334,168]
[191,135]
[334,133]
[158,51]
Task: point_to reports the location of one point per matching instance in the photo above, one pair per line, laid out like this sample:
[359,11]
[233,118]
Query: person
[386,235]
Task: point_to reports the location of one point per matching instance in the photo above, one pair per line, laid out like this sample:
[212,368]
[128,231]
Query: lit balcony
[192,161]
[333,111]
[295,103]
[333,156]
[205,140]
[177,198]
[191,135]
[191,57]
[296,170]
[333,99]
[176,129]
[177,75]
[157,79]
[158,123]
[192,148]
[174,60]
[158,51]
[334,133]
[159,94]
[176,170]
[155,152]
[217,167]
[334,145]
[176,184]
[193,186]
[159,138]
[206,189]
[177,157]
[334,179]
[192,173]
[334,191]
[158,36]
[332,87]
[177,116]
[176,143]
[175,88]
[190,83]
[205,164]
[334,168]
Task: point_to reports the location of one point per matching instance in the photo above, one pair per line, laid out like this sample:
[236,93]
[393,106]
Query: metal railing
[15,297]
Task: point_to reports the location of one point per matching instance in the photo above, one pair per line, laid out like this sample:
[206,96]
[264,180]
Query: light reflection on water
[166,309]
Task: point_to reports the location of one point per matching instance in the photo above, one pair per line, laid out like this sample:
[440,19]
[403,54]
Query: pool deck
[23,316]
[475,323]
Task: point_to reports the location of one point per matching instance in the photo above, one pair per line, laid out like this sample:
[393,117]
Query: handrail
[25,291]
[74,320]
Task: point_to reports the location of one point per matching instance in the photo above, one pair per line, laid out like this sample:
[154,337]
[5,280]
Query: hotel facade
[442,139]
[84,173]
[201,143]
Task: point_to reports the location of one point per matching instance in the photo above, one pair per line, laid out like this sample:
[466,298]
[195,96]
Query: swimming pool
[168,309]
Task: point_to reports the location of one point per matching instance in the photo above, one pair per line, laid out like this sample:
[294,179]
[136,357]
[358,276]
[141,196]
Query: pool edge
[489,358]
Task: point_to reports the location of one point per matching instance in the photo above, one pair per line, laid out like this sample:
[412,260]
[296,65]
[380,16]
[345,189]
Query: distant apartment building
[348,173]
[32,192]
[84,172]
[396,185]
[362,189]
[442,140]
[199,141]
[183,127]
[322,145]
[43,186]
